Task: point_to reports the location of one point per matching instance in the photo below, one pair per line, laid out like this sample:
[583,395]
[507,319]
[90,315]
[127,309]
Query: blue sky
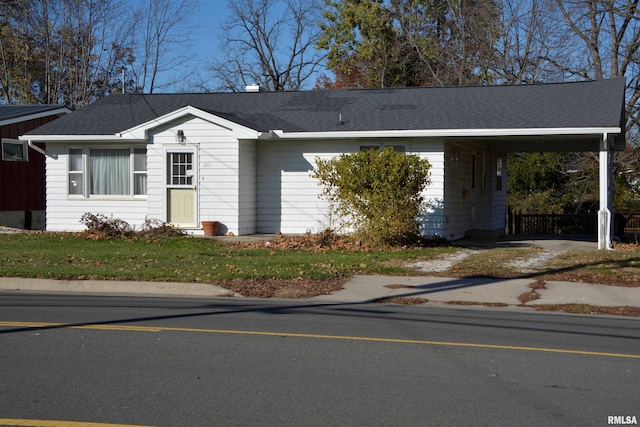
[207,21]
[206,28]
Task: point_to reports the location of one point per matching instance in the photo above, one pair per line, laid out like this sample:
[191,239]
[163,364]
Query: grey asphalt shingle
[10,112]
[566,105]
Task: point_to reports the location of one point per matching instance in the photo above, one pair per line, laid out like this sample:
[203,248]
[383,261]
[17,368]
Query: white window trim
[86,154]
[83,195]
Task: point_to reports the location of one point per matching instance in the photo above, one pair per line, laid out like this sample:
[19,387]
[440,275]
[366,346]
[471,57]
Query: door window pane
[181,169]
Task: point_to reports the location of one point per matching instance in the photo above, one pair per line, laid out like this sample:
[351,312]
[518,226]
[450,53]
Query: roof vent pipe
[254,88]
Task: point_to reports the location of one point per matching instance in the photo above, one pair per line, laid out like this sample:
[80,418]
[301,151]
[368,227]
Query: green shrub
[377,194]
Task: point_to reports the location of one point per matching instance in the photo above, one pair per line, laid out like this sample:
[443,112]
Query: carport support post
[605,216]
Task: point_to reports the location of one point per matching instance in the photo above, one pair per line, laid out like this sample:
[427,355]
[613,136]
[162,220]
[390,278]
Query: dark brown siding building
[22,169]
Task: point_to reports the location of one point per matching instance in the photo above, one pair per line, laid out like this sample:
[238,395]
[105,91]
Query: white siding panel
[247,188]
[219,183]
[156,181]
[64,213]
[469,207]
[217,172]
[289,197]
[432,220]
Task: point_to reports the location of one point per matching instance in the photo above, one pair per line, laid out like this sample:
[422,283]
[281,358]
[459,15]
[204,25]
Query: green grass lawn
[186,259]
[189,259]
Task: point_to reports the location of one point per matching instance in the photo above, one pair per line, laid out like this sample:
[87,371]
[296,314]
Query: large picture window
[107,172]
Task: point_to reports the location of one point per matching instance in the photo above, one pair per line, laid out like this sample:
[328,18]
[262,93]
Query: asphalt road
[206,362]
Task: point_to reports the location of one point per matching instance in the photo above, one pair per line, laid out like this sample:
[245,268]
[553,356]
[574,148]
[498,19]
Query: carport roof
[578,105]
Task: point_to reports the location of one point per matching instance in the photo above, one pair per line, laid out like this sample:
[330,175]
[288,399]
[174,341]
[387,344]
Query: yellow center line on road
[53,423]
[314,336]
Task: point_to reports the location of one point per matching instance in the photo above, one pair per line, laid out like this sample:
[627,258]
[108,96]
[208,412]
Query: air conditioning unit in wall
[14,150]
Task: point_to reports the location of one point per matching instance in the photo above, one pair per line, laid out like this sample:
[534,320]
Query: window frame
[80,172]
[189,178]
[24,146]
[135,173]
[85,173]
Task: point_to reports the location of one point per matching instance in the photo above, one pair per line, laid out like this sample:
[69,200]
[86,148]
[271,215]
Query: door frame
[168,151]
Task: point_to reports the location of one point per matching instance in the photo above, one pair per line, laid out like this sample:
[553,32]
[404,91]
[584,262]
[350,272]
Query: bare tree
[608,32]
[270,43]
[529,46]
[160,42]
[73,52]
[581,40]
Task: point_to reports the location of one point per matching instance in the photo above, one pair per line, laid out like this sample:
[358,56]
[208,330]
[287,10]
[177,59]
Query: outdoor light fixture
[180,137]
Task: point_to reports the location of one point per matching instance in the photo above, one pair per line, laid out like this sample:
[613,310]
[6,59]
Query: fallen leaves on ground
[284,288]
[590,309]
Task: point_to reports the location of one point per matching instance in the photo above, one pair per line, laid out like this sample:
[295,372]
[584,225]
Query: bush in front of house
[377,194]
[102,227]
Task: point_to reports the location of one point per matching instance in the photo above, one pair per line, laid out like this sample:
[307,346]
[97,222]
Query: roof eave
[414,133]
[75,138]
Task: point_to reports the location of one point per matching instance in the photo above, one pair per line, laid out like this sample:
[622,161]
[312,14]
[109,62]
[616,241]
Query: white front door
[181,189]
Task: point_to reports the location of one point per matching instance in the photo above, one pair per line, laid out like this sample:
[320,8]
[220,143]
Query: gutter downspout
[39,150]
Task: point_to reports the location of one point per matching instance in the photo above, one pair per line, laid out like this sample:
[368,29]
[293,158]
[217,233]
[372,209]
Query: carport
[604,140]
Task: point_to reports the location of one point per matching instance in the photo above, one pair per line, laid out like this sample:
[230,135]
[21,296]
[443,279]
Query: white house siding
[156,180]
[498,219]
[472,204]
[432,222]
[247,188]
[218,179]
[289,197]
[64,212]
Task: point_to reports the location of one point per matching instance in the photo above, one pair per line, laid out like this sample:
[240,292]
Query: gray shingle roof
[10,112]
[563,105]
